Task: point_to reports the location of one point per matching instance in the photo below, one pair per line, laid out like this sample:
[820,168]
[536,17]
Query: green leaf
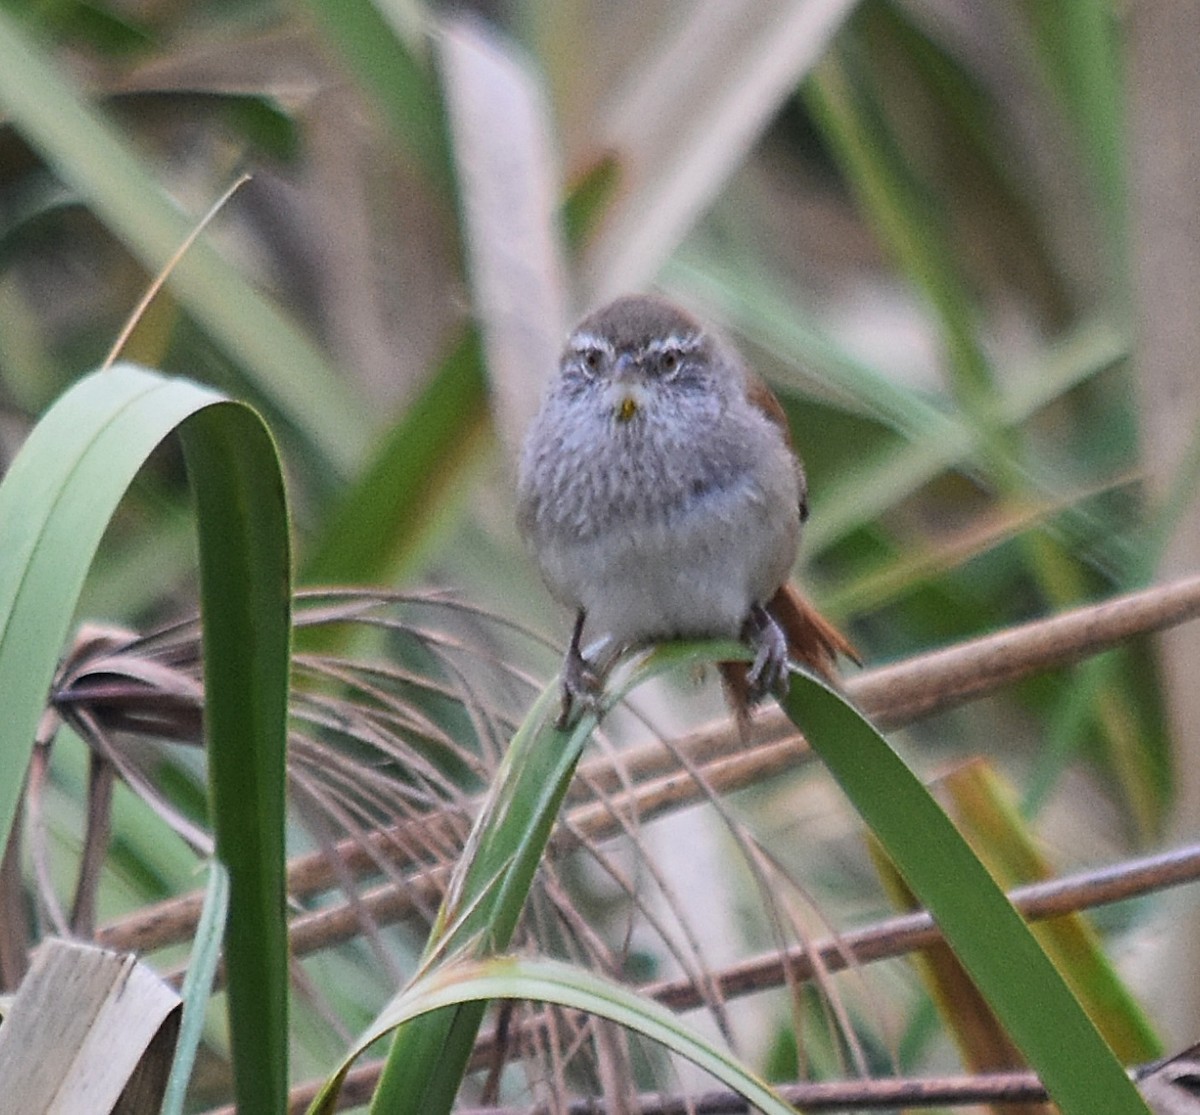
[989,937]
[1081,52]
[382,526]
[388,63]
[491,882]
[551,981]
[907,218]
[55,504]
[198,985]
[246,593]
[985,812]
[483,902]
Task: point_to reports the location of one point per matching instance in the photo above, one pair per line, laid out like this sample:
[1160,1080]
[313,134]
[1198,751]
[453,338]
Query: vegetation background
[959,240]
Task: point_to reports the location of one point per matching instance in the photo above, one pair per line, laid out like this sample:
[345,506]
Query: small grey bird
[660,497]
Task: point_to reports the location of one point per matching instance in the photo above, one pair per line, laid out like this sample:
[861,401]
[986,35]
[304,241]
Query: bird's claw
[769,671]
[581,686]
[582,682]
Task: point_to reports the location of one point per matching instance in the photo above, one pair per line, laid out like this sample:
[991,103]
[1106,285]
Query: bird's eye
[669,361]
[591,359]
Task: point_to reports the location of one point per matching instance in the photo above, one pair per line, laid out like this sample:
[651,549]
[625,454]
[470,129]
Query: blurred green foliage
[923,244]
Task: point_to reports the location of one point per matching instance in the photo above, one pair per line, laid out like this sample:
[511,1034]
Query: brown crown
[634,320]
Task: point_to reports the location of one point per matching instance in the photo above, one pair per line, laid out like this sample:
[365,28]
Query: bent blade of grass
[985,809]
[483,902]
[990,938]
[488,890]
[246,593]
[543,980]
[55,504]
[982,806]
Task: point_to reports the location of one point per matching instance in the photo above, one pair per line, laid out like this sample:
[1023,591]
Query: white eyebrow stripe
[689,342]
[585,342]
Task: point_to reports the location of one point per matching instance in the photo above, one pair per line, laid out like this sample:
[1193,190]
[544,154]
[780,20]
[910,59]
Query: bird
[660,497]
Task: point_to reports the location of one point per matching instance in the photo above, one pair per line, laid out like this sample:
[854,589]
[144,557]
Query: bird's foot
[581,686]
[768,672]
[581,681]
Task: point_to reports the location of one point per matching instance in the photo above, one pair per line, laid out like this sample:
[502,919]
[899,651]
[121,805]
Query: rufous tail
[812,642]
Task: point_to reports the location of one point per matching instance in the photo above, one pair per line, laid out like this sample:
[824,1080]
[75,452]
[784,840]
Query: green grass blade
[388,64]
[282,365]
[381,527]
[489,888]
[989,937]
[552,981]
[1080,44]
[936,440]
[245,581]
[905,217]
[197,985]
[55,504]
[484,900]
[986,812]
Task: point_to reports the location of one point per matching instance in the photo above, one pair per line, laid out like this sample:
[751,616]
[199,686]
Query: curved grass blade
[55,504]
[487,893]
[464,983]
[984,808]
[990,938]
[246,593]
[484,900]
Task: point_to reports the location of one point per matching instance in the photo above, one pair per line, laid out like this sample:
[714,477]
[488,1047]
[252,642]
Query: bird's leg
[769,671]
[581,681]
